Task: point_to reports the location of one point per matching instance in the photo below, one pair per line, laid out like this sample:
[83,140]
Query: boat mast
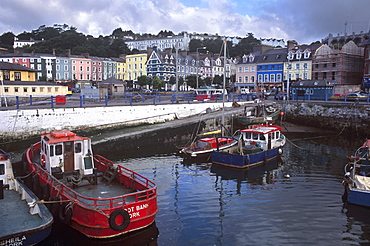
[223,91]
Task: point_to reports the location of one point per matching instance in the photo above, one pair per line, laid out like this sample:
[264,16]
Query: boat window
[2,169]
[58,149]
[68,146]
[277,134]
[255,136]
[248,135]
[78,147]
[51,150]
[271,135]
[262,137]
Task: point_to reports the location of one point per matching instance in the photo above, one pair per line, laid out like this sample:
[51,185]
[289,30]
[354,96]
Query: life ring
[123,219]
[65,212]
[253,143]
[43,160]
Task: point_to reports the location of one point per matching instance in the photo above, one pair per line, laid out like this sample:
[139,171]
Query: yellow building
[135,66]
[120,68]
[17,80]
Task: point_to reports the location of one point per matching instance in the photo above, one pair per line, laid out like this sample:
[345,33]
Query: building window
[305,65]
[17,76]
[6,89]
[49,89]
[266,78]
[240,69]
[33,89]
[6,75]
[297,66]
[278,77]
[16,89]
[272,77]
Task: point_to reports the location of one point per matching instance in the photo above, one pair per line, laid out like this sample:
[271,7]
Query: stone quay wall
[344,118]
[24,124]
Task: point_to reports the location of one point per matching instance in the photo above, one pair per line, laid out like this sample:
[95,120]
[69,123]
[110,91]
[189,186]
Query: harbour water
[292,201]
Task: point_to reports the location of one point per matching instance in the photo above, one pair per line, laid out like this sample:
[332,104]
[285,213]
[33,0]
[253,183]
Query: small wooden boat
[24,220]
[260,114]
[357,177]
[202,146]
[258,144]
[92,194]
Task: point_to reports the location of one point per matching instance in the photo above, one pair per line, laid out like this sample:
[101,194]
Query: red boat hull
[94,216]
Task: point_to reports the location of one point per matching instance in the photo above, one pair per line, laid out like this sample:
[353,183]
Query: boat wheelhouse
[89,192]
[258,144]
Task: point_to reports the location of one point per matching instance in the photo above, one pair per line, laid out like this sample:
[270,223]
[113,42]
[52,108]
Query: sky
[305,21]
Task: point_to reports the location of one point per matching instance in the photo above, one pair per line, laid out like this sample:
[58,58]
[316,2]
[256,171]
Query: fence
[24,102]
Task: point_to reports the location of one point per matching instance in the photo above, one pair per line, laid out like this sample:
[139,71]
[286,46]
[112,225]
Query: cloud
[303,20]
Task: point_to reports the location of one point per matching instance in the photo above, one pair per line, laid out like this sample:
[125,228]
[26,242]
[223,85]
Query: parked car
[355,95]
[254,95]
[281,96]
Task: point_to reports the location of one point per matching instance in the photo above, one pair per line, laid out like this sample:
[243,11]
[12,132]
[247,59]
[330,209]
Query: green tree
[245,45]
[7,40]
[157,83]
[191,80]
[143,81]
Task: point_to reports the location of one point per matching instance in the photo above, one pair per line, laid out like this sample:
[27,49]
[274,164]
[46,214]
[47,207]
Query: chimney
[291,44]
[53,52]
[69,52]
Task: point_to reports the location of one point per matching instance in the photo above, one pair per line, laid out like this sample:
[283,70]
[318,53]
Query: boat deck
[102,190]
[16,217]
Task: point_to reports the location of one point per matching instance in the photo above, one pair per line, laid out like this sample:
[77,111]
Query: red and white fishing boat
[90,193]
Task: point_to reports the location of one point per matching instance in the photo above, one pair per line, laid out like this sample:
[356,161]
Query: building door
[69,156]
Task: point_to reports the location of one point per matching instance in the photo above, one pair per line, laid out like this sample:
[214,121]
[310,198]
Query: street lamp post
[197,62]
[176,67]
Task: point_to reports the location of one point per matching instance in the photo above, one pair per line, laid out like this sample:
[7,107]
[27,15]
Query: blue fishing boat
[258,144]
[25,221]
[357,177]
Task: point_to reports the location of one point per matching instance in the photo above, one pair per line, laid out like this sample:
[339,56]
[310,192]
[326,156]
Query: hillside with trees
[62,37]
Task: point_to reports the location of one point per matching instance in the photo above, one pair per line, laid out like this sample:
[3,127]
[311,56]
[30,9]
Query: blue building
[311,90]
[270,68]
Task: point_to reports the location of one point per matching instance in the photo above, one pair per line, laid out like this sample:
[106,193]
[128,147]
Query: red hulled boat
[90,193]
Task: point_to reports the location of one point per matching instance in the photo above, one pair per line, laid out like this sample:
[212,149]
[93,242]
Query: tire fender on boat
[113,219]
[65,212]
[280,151]
[247,160]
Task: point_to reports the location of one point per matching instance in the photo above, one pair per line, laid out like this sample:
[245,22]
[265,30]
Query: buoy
[287,176]
[281,113]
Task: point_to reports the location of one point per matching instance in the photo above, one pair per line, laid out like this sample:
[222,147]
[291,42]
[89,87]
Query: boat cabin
[264,136]
[65,152]
[208,93]
[6,171]
[211,143]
